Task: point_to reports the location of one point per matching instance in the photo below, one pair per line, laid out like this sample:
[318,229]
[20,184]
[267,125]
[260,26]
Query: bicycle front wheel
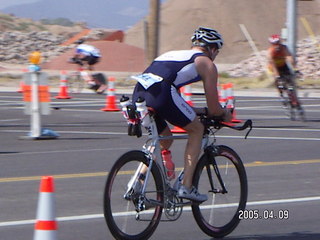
[222,176]
[130,214]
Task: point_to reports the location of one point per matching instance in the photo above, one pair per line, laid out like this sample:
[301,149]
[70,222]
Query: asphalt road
[281,158]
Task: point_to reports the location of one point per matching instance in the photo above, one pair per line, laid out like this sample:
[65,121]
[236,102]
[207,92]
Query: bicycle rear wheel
[121,202]
[219,216]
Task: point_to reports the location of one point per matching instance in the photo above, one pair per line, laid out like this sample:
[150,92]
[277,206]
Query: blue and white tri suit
[91,54]
[170,71]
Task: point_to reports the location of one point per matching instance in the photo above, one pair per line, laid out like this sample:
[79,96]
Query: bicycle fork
[132,184]
[212,161]
[136,189]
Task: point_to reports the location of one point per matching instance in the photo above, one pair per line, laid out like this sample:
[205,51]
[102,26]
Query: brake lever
[247,124]
[250,128]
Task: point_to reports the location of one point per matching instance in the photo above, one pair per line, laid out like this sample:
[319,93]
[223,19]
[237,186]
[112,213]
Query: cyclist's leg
[166,144]
[277,83]
[179,113]
[101,86]
[192,151]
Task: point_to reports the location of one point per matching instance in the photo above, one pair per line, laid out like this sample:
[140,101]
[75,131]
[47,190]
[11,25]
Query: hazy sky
[8,3]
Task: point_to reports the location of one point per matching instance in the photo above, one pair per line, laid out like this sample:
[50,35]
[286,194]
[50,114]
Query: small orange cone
[230,103]
[234,117]
[177,129]
[46,226]
[223,95]
[63,94]
[111,97]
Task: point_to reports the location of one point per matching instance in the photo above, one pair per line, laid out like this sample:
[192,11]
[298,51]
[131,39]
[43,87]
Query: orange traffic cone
[223,95]
[46,225]
[111,97]
[231,102]
[63,94]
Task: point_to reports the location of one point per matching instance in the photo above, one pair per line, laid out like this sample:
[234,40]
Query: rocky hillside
[19,37]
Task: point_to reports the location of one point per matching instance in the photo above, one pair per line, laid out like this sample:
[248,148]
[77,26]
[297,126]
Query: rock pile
[308,61]
[15,47]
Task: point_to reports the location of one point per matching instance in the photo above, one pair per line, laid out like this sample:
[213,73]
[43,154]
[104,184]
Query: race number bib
[147,79]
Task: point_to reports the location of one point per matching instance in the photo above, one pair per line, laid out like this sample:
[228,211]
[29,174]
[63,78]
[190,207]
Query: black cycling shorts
[91,60]
[168,104]
[284,70]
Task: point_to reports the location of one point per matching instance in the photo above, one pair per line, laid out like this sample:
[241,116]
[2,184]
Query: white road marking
[95,216]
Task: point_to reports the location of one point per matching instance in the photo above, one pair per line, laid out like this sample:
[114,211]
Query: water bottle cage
[134,121]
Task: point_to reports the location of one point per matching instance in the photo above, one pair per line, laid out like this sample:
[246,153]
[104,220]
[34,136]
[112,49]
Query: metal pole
[292,26]
[146,41]
[153,29]
[35,107]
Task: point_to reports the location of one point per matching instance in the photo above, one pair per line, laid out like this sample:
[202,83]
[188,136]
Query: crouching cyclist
[88,55]
[160,84]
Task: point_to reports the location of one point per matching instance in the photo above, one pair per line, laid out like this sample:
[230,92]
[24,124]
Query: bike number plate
[147,79]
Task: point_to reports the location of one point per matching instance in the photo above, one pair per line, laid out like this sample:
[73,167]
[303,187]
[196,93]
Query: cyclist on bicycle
[161,83]
[280,60]
[90,55]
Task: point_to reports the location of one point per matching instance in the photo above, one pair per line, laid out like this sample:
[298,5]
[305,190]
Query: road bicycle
[289,98]
[133,206]
[81,78]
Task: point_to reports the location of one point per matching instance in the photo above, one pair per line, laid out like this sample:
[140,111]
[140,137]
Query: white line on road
[218,136]
[95,216]
[11,120]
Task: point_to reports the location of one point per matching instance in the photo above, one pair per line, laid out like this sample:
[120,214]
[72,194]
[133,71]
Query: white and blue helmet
[206,37]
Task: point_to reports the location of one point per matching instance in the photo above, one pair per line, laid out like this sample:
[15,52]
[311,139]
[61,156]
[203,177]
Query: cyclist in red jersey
[281,61]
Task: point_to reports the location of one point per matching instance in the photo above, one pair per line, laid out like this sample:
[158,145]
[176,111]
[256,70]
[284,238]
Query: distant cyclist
[281,61]
[159,85]
[89,55]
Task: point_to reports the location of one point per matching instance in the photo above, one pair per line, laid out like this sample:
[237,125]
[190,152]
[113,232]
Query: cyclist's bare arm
[209,74]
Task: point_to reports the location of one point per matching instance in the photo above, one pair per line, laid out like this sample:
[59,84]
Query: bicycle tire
[219,216]
[75,83]
[120,213]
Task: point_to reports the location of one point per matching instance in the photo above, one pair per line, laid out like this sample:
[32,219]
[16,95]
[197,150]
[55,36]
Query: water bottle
[124,102]
[143,111]
[167,161]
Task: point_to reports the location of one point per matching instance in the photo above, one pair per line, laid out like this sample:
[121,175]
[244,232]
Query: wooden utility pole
[153,30]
